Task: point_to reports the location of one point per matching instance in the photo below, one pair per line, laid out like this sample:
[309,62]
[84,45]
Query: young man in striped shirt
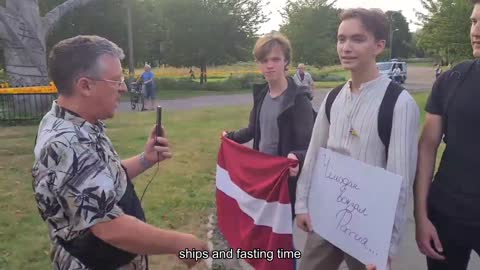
[353,131]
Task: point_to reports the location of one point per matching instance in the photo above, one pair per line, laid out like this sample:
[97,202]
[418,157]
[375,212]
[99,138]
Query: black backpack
[385,113]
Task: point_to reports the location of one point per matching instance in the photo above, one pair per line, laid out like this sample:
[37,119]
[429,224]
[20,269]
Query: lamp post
[391,42]
[131,66]
[131,61]
[391,35]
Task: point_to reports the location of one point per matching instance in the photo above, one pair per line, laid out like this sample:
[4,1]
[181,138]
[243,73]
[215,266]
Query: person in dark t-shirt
[447,210]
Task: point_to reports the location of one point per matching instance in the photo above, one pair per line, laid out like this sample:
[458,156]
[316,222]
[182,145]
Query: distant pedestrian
[303,78]
[438,70]
[148,82]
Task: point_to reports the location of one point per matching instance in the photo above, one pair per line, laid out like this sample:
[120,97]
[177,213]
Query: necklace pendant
[353,132]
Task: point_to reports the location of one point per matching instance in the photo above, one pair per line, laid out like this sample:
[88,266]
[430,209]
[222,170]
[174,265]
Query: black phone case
[159,132]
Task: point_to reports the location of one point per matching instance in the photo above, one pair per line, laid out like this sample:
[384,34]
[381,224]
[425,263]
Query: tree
[2,61]
[23,35]
[400,34]
[445,30]
[201,33]
[311,26]
[106,18]
[415,50]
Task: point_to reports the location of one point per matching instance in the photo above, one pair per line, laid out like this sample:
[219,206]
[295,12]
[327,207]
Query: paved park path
[420,79]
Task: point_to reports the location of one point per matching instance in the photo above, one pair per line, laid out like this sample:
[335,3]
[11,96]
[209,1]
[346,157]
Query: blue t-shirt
[148,75]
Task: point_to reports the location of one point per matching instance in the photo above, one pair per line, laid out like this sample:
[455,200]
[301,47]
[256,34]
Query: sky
[407,7]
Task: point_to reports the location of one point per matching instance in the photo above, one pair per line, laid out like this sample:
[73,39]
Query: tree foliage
[201,33]
[400,34]
[210,32]
[446,28]
[174,32]
[107,18]
[23,33]
[311,26]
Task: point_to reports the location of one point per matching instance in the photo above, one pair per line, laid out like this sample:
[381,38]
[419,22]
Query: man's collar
[368,84]
[76,119]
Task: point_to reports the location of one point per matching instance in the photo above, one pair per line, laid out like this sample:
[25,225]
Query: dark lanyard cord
[155,174]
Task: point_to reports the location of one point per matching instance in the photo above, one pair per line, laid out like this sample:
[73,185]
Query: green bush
[333,78]
[215,77]
[226,84]
[245,81]
[326,77]
[3,75]
[420,60]
[165,83]
[176,84]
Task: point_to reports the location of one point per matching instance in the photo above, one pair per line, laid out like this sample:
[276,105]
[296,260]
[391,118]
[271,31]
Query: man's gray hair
[75,57]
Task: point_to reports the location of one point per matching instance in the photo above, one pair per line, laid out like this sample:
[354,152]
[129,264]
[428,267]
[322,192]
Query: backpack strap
[385,113]
[455,79]
[330,99]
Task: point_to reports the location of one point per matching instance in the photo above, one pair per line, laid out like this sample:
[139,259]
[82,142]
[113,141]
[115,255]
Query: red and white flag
[253,204]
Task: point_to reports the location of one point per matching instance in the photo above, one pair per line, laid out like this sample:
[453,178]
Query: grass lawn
[180,197]
[3,75]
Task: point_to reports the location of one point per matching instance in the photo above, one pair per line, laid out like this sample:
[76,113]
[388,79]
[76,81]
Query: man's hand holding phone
[157,147]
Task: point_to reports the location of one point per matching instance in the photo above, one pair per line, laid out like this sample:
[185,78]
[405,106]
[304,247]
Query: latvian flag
[253,203]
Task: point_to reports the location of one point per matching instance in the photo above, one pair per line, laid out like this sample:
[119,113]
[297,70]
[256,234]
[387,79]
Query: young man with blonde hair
[349,122]
[281,120]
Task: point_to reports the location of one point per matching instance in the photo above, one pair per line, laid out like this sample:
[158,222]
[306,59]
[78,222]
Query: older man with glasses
[84,191]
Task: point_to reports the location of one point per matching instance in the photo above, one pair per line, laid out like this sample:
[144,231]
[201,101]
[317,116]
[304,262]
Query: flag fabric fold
[253,204]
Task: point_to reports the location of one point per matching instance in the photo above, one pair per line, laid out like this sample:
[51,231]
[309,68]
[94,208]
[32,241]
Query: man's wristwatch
[144,162]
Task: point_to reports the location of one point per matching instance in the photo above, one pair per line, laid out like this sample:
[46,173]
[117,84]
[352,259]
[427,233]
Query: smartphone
[159,132]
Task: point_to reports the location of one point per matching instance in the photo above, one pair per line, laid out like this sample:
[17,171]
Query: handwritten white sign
[352,205]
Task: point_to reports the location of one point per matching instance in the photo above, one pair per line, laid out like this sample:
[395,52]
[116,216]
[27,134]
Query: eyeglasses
[118,83]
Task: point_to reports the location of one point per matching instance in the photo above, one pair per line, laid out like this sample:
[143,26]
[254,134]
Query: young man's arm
[244,135]
[318,139]
[402,158]
[428,146]
[430,140]
[130,234]
[303,122]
